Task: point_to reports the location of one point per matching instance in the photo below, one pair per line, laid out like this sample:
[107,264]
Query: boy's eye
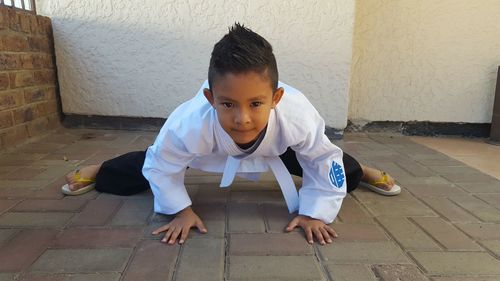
[256,103]
[227,104]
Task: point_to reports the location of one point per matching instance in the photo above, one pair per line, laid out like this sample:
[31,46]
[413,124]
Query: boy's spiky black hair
[240,51]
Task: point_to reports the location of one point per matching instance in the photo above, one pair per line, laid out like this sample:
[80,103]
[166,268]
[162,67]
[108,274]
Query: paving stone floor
[444,226]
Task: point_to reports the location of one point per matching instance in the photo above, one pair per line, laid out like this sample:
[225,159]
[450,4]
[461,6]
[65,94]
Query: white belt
[280,172]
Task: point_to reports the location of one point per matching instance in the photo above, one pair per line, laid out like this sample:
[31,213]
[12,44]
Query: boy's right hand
[181,225]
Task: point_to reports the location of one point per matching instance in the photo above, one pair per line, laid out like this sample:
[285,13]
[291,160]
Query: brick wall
[29,104]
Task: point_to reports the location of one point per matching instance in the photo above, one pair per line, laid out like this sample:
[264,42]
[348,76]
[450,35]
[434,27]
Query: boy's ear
[278,94]
[209,96]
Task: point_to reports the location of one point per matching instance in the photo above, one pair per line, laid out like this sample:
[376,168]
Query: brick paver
[98,238]
[34,205]
[447,235]
[276,217]
[24,249]
[481,231]
[274,268]
[408,234]
[359,232]
[470,263]
[352,212]
[362,252]
[7,276]
[82,260]
[492,187]
[350,272]
[275,244]
[396,208]
[474,177]
[450,210]
[256,197]
[6,235]
[478,208]
[435,190]
[397,272]
[32,219]
[444,225]
[245,218]
[6,204]
[493,246]
[104,276]
[492,199]
[152,261]
[97,212]
[206,252]
[133,212]
[456,278]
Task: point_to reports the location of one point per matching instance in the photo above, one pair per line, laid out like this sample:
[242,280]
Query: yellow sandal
[395,189]
[78,178]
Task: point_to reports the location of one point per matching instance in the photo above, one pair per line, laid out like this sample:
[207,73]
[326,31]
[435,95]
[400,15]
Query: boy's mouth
[242,131]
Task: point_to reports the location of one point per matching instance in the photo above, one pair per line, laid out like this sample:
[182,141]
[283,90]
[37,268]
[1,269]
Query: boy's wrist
[185,210]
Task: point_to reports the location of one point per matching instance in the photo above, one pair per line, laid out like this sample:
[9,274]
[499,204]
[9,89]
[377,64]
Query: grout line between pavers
[177,260]
[478,242]
[225,273]
[480,199]
[405,169]
[8,209]
[10,238]
[320,264]
[115,211]
[48,247]
[403,249]
[329,276]
[487,250]
[467,211]
[411,220]
[442,216]
[419,265]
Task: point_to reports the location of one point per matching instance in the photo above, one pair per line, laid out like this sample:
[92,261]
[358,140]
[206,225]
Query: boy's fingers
[201,227]
[331,231]
[161,229]
[309,235]
[174,236]
[319,236]
[326,236]
[184,235]
[168,234]
[292,224]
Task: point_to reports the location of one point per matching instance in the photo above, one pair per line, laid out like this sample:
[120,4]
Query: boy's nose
[242,117]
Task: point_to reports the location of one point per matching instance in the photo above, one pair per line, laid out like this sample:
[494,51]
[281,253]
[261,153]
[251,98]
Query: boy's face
[243,103]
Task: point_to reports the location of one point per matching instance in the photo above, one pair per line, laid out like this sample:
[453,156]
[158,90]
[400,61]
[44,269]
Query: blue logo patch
[336,175]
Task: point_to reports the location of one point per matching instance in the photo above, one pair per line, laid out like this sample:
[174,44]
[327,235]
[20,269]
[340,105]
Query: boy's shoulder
[191,124]
[296,114]
[295,105]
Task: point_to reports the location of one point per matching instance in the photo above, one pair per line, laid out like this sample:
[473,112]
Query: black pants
[123,175]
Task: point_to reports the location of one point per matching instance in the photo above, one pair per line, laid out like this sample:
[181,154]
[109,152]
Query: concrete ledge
[412,128]
[113,122]
[422,128]
[137,123]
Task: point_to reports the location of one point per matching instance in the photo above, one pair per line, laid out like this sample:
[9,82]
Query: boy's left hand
[322,231]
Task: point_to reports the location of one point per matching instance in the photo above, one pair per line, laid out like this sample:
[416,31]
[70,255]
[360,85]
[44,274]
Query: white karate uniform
[192,136]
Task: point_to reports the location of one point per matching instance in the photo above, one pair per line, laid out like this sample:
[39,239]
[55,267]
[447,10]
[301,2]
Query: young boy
[242,122]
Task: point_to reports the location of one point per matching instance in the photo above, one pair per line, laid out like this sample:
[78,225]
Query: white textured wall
[425,60]
[143,58]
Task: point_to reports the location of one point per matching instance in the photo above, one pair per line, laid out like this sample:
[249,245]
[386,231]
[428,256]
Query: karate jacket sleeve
[164,167]
[323,182]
